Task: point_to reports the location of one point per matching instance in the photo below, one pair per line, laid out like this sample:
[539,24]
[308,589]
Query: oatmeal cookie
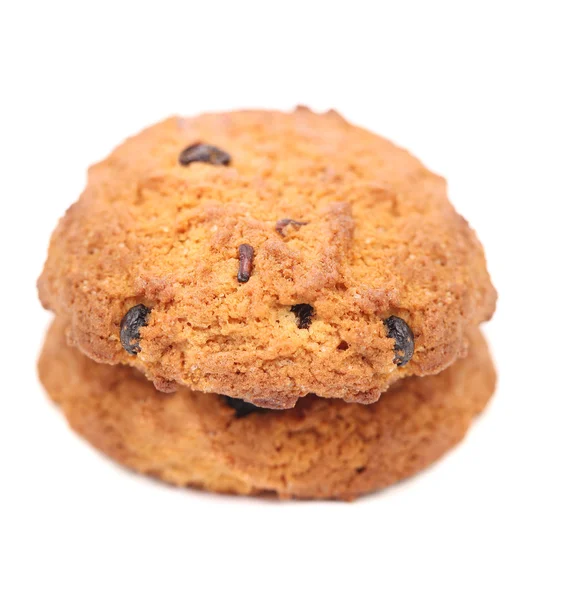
[319,449]
[267,256]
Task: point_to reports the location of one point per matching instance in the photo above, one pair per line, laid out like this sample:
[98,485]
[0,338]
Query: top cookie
[265,256]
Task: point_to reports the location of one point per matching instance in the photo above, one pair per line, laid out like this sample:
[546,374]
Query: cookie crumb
[246,253]
[165,385]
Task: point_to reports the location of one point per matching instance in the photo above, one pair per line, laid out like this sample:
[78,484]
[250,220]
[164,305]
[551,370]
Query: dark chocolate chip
[304,314]
[282,223]
[404,339]
[130,326]
[242,408]
[204,153]
[246,253]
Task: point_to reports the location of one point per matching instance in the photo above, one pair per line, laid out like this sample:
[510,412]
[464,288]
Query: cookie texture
[221,225]
[319,449]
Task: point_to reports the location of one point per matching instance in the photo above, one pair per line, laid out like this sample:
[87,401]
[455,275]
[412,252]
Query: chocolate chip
[404,339]
[130,326]
[246,253]
[204,153]
[282,223]
[242,408]
[304,314]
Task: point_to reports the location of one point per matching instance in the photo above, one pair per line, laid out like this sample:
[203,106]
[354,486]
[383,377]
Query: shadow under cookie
[319,449]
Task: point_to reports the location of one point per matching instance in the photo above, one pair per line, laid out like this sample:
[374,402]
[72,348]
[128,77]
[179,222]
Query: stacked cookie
[266,302]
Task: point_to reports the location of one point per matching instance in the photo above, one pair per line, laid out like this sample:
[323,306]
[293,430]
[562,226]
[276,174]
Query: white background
[472,88]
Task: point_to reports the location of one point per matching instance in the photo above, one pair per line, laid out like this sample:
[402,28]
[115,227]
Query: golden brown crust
[382,239]
[319,449]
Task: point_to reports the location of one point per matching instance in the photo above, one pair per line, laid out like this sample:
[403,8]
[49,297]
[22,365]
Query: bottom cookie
[319,449]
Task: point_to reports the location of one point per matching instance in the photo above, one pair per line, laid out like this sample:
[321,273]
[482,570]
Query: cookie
[267,256]
[319,449]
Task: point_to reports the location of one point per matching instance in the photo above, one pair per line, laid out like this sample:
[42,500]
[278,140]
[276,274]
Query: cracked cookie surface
[319,449]
[269,212]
